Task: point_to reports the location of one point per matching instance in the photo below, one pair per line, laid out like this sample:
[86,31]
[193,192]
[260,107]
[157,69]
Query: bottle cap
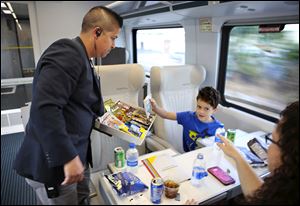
[131,145]
[200,156]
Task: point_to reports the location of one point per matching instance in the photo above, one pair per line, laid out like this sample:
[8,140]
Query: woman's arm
[248,178]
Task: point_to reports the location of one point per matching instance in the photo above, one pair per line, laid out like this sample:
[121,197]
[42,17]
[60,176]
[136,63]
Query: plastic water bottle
[199,171]
[221,131]
[132,157]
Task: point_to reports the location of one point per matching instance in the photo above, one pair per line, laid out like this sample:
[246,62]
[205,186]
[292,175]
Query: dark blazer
[65,102]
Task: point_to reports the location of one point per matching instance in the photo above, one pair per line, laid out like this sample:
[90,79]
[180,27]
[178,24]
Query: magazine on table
[166,167]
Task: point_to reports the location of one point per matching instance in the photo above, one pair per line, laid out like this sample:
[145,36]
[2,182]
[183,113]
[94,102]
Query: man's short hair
[210,96]
[101,16]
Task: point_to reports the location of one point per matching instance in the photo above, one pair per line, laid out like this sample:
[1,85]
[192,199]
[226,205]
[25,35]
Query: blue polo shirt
[193,128]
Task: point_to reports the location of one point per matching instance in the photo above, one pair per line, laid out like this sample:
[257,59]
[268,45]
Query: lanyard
[94,70]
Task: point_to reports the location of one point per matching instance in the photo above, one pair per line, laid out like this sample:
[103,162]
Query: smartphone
[250,157]
[256,147]
[221,175]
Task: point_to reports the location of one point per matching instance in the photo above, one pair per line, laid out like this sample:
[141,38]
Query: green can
[231,134]
[119,157]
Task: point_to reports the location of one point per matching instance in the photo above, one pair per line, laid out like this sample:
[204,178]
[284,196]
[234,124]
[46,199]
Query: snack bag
[126,183]
[147,106]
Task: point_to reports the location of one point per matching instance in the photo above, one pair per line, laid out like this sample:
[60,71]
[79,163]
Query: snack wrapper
[126,183]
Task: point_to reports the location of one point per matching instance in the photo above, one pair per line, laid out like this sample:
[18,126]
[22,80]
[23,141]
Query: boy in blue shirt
[198,124]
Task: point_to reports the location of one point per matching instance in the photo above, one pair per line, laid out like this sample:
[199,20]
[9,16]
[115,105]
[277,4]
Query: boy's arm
[161,112]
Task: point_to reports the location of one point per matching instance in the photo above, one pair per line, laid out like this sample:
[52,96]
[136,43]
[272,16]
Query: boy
[198,124]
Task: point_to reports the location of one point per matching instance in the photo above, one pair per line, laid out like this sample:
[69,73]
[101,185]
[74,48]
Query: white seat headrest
[120,78]
[175,78]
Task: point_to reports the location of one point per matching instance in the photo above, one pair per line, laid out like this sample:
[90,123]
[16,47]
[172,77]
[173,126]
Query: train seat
[175,89]
[118,82]
[235,119]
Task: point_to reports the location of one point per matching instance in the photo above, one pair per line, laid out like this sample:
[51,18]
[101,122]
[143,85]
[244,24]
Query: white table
[210,191]
[113,169]
[241,138]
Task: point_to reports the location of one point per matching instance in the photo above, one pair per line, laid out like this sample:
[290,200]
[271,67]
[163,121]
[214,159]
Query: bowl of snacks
[171,188]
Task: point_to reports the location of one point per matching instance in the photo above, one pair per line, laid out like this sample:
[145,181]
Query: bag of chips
[126,183]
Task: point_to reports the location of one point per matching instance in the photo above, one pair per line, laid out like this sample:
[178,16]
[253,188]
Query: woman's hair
[210,96]
[282,187]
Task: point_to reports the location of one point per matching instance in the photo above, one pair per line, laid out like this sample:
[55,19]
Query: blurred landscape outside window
[263,68]
[160,47]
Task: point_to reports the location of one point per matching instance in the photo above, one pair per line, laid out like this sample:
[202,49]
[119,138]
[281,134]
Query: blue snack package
[126,183]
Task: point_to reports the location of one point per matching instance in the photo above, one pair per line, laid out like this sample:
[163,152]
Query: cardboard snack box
[125,121]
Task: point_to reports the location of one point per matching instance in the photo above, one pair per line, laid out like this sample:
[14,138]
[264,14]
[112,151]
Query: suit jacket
[65,102]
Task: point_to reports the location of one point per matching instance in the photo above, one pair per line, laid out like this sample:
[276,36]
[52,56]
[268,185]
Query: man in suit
[56,152]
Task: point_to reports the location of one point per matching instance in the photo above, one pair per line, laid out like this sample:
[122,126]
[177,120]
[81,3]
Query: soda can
[231,134]
[119,157]
[157,188]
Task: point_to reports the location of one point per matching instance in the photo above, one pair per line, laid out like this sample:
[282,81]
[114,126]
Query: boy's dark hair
[209,95]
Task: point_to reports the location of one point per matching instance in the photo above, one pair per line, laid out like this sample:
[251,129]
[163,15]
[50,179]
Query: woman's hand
[191,202]
[228,147]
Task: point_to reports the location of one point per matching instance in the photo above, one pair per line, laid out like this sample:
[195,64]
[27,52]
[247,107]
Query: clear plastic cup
[171,188]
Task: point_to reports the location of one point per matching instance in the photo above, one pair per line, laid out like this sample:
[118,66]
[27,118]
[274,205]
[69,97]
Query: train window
[156,47]
[16,41]
[261,72]
[17,58]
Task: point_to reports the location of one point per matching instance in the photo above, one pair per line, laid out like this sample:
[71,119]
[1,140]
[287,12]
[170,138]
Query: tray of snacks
[125,121]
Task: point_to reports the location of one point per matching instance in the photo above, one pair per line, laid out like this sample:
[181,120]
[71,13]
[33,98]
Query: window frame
[20,85]
[221,79]
[134,38]
[20,80]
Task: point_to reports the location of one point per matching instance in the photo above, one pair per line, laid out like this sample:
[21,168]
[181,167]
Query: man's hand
[73,171]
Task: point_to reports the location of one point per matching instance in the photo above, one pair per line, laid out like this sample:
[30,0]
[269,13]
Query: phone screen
[257,149]
[221,175]
[250,157]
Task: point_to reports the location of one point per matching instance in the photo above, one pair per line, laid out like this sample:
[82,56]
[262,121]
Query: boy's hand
[161,112]
[154,105]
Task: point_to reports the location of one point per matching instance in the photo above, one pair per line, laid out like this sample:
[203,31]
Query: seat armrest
[154,143]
